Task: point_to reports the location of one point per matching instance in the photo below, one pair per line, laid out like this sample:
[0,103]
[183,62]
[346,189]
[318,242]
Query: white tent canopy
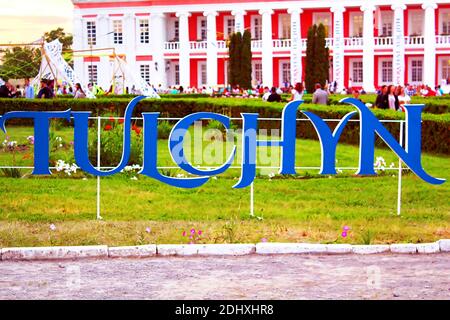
[53,66]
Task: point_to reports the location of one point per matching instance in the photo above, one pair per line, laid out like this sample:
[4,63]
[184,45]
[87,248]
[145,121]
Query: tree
[65,39]
[317,58]
[240,60]
[20,63]
[246,61]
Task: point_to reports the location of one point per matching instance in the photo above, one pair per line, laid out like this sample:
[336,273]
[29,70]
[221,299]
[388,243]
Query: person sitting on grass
[274,96]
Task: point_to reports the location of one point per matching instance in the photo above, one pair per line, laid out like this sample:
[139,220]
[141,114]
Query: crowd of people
[388,97]
[48,90]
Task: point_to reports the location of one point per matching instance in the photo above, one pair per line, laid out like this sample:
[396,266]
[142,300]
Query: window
[445,70]
[144,31]
[357,25]
[92,73]
[91,33]
[416,70]
[257,72]
[445,25]
[118,31]
[285,26]
[177,74]
[229,26]
[176,30]
[257,28]
[203,75]
[145,72]
[325,19]
[386,71]
[285,73]
[386,24]
[203,35]
[416,22]
[357,71]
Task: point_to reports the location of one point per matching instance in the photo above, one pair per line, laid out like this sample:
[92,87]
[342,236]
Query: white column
[239,25]
[78,44]
[429,60]
[267,47]
[184,60]
[398,33]
[104,73]
[296,45]
[211,51]
[368,48]
[129,29]
[338,47]
[157,39]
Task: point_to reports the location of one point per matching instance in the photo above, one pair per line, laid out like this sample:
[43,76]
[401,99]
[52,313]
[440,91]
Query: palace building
[184,42]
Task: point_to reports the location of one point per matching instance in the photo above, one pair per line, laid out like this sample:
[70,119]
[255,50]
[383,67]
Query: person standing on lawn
[320,96]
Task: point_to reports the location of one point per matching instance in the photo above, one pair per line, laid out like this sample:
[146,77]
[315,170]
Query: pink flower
[184,233]
[263,240]
[200,232]
[346,228]
[191,237]
[344,234]
[192,231]
[148,230]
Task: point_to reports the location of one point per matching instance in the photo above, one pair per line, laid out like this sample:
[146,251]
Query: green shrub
[111,144]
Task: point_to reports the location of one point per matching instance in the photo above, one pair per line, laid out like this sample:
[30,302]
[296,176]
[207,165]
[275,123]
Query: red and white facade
[183,42]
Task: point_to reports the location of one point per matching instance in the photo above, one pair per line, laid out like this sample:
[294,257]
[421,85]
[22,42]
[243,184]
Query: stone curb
[133,251]
[53,253]
[61,253]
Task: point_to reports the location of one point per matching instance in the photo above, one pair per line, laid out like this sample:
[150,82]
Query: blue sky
[26,20]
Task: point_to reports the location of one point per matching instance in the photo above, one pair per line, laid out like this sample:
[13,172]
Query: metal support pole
[252,200]
[399,192]
[99,126]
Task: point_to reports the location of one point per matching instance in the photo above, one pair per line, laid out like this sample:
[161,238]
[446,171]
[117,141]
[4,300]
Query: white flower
[271,175]
[134,178]
[339,170]
[180,175]
[52,227]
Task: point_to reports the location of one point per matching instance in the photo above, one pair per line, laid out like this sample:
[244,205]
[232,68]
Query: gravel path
[249,277]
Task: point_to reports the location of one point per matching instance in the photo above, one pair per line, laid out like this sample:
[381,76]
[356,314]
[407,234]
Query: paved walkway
[250,277]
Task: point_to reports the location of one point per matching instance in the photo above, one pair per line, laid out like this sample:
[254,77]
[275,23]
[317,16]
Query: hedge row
[435,128]
[436,105]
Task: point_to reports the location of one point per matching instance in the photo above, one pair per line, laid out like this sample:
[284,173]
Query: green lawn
[304,208]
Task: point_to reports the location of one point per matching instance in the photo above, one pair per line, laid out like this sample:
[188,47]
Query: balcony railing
[198,45]
[414,41]
[443,40]
[384,41]
[256,45]
[353,42]
[171,46]
[281,44]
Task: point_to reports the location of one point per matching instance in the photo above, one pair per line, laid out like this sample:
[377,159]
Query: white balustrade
[384,41]
[414,41]
[198,45]
[353,42]
[283,43]
[443,40]
[171,46]
[256,45]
